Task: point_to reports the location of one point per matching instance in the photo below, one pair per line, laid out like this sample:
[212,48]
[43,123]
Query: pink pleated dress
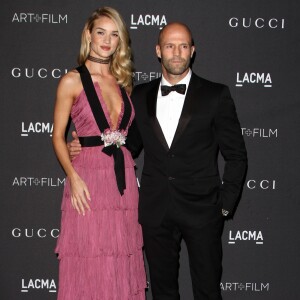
[100,253]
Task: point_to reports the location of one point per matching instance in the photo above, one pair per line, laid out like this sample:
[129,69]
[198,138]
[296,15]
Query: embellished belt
[111,150]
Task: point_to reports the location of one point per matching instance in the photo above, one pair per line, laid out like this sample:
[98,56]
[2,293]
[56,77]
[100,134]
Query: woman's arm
[64,101]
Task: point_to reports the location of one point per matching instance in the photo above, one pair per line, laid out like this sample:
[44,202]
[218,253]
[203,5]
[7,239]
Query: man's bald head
[175,26]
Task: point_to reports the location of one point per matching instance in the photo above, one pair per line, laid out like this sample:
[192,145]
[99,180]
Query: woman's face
[104,38]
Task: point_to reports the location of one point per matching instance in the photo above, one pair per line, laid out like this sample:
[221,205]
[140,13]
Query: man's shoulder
[143,87]
[198,80]
[141,91]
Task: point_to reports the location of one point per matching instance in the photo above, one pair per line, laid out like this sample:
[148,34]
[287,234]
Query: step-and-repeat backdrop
[252,46]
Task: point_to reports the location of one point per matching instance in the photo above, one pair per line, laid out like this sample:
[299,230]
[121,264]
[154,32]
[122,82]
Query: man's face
[175,49]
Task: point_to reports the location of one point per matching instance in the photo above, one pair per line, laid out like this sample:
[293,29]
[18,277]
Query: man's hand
[74,146]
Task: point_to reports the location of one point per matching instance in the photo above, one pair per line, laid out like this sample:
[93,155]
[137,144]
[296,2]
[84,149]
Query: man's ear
[158,52]
[192,51]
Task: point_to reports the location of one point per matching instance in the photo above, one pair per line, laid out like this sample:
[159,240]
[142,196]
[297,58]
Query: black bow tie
[179,88]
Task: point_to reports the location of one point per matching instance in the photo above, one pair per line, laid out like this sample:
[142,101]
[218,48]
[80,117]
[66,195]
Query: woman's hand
[79,195]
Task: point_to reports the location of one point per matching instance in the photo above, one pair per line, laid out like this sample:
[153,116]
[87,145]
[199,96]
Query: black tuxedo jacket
[187,172]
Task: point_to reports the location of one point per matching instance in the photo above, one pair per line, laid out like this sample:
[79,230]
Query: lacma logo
[147,20]
[37,127]
[245,235]
[253,78]
[38,284]
[39,18]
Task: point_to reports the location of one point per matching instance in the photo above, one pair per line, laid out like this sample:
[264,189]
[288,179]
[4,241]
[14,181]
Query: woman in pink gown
[100,243]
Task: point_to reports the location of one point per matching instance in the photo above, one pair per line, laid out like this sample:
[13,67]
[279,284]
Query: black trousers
[204,245]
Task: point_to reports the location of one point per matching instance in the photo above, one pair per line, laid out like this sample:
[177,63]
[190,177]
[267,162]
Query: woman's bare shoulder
[71,82]
[72,78]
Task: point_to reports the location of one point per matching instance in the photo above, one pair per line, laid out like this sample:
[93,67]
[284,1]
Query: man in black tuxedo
[182,122]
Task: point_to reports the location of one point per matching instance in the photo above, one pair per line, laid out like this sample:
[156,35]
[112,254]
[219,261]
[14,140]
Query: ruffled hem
[98,233]
[102,278]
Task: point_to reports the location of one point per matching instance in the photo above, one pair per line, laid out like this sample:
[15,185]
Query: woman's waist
[95,158]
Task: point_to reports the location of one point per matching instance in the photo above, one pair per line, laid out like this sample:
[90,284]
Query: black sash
[100,118]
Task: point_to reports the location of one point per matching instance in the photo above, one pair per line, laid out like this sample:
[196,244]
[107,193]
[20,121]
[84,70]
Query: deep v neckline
[94,97]
[105,108]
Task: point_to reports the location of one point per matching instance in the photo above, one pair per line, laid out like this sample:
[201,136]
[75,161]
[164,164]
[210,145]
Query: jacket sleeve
[233,150]
[134,141]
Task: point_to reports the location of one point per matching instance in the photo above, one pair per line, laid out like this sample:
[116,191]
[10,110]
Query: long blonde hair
[121,63]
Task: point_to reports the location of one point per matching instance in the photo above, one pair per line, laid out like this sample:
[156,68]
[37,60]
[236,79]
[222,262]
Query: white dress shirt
[169,108]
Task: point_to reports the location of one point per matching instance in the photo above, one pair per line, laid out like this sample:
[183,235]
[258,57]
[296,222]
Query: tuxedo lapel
[189,104]
[151,107]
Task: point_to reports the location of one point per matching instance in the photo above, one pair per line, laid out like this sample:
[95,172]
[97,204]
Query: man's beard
[176,69]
